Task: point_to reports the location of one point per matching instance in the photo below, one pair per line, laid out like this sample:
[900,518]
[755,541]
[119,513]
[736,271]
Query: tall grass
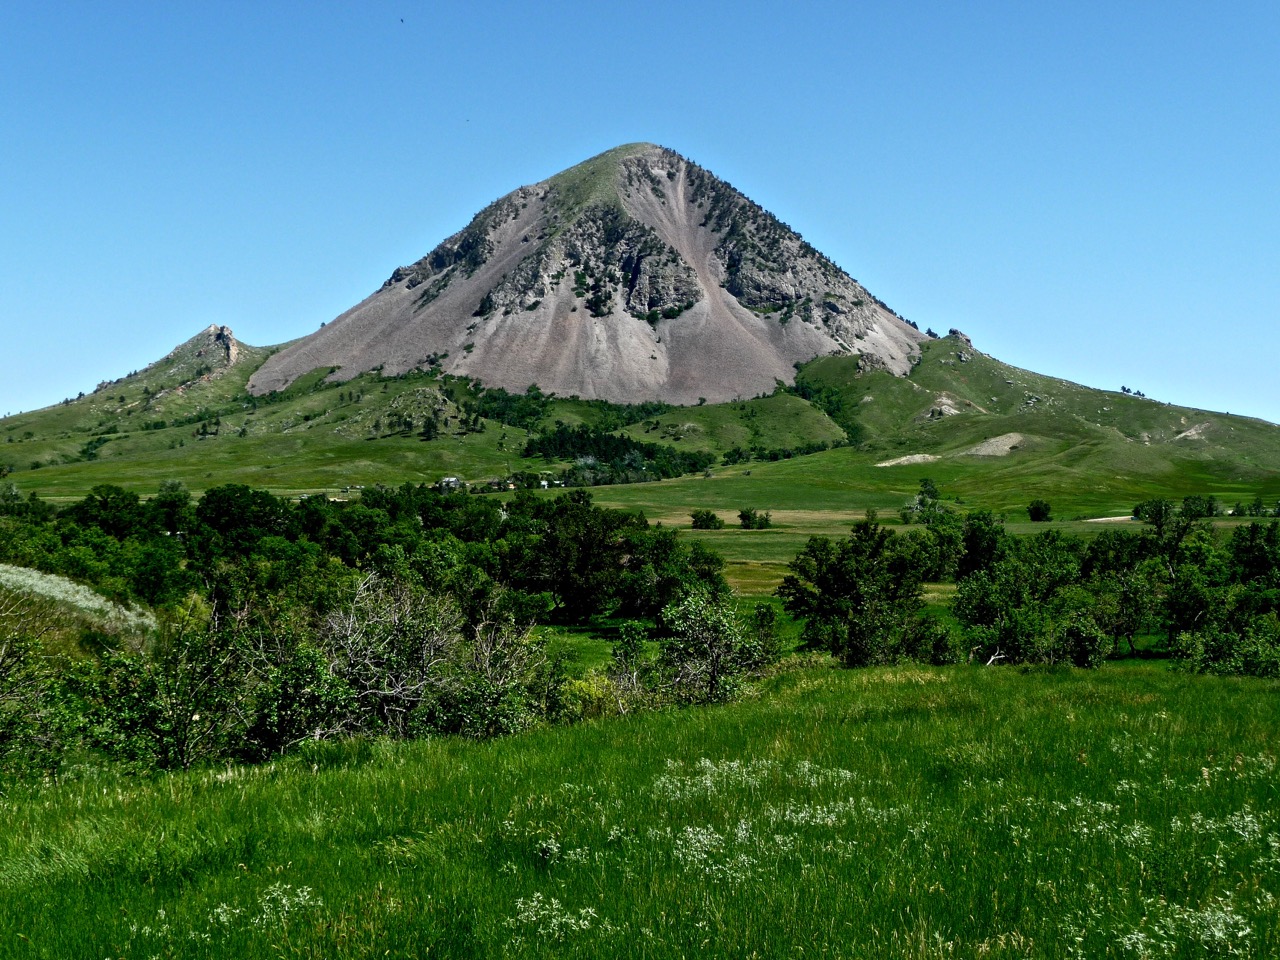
[905,812]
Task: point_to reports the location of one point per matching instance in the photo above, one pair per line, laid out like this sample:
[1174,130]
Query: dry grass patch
[755,578]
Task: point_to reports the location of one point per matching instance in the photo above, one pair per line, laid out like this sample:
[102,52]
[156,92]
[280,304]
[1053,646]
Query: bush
[751,519]
[929,640]
[180,704]
[589,698]
[764,635]
[707,653]
[707,520]
[1038,511]
[1254,652]
[29,741]
[1085,642]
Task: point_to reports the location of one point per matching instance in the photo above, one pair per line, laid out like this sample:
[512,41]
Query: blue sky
[1088,190]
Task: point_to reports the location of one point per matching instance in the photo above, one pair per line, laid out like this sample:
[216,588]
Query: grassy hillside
[978,410]
[780,421]
[179,419]
[898,812]
[989,434]
[208,430]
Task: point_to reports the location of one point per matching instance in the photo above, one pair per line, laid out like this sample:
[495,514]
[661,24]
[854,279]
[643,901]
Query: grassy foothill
[895,812]
[990,435]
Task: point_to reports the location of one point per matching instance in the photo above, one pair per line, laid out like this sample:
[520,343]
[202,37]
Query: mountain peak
[597,178]
[634,275]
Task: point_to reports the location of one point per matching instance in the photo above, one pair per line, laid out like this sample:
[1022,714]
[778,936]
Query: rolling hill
[992,434]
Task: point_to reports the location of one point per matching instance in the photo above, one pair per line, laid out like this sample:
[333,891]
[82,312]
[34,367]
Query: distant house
[450,483]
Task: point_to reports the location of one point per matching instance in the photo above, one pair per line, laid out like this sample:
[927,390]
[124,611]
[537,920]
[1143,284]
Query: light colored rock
[910,459]
[564,284]
[1194,433]
[1000,446]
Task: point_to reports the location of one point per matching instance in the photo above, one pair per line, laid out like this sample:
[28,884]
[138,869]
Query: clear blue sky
[1090,190]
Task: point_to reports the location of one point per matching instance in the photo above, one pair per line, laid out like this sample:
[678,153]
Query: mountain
[634,276]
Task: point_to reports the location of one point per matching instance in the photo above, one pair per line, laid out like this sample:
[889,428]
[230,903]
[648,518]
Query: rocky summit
[634,276]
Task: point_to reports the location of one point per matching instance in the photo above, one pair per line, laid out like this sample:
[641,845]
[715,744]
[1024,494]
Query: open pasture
[906,812]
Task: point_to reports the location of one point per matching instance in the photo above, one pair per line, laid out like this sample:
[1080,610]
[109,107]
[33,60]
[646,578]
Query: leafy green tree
[707,520]
[1157,512]
[12,502]
[945,532]
[984,541]
[1039,511]
[858,597]
[923,505]
[1200,508]
[1255,554]
[1078,635]
[1169,525]
[1114,552]
[156,574]
[1126,603]
[582,551]
[233,518]
[171,509]
[658,567]
[1200,592]
[1012,609]
[752,519]
[115,511]
[705,654]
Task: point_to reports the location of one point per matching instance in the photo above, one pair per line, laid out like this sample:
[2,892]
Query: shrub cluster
[604,458]
[706,520]
[405,613]
[1212,602]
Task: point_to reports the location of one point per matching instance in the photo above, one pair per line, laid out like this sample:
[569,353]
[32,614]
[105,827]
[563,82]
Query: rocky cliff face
[636,275]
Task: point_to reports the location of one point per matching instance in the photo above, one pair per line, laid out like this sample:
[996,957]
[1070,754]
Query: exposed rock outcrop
[636,275]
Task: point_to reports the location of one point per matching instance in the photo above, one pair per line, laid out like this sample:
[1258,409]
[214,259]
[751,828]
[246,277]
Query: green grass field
[907,812]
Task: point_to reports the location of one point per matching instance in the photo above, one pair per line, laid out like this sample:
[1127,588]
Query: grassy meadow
[899,812]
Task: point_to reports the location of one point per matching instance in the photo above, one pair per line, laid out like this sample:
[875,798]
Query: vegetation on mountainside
[1087,452]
